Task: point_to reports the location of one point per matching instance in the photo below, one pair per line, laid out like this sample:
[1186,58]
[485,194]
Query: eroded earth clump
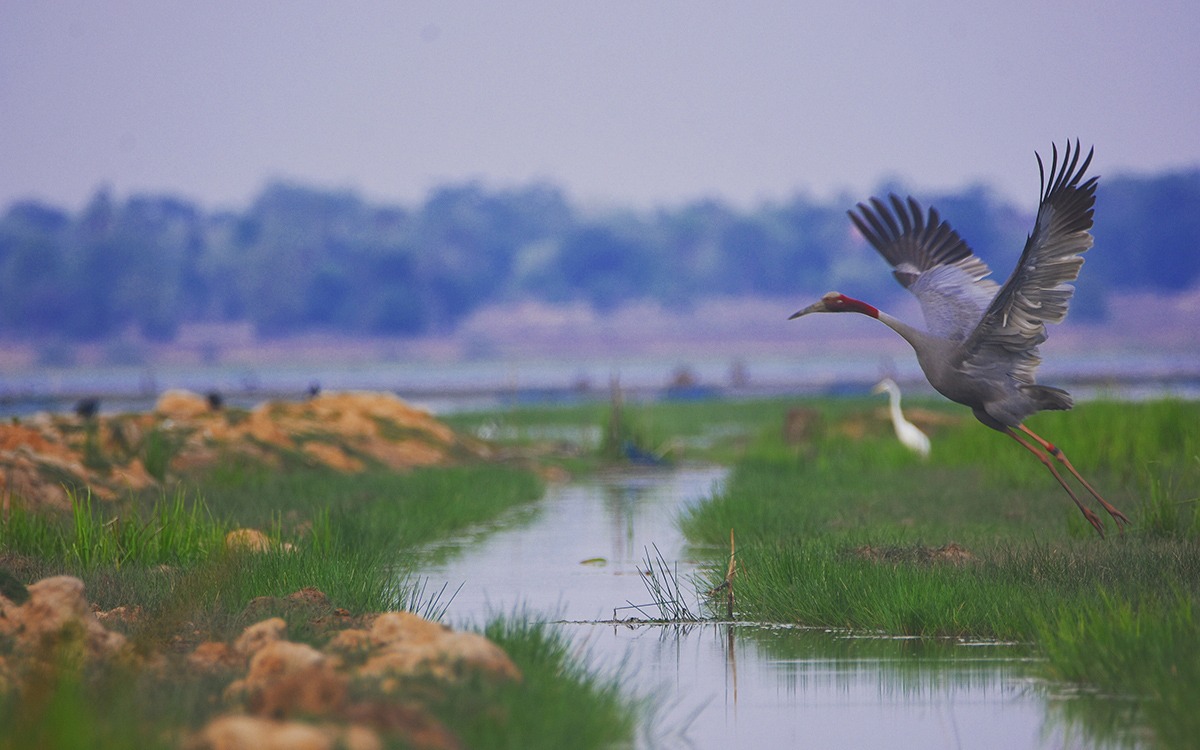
[45,457]
[354,681]
[369,682]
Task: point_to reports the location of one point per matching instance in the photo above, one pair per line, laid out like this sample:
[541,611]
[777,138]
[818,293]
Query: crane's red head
[837,302]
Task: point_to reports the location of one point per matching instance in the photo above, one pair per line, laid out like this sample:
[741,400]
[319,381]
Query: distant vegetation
[300,259]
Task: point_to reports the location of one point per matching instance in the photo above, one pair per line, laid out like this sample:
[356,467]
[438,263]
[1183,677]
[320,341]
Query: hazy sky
[622,103]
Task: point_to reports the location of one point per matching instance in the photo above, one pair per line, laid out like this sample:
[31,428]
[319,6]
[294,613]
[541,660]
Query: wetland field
[839,527]
[837,530]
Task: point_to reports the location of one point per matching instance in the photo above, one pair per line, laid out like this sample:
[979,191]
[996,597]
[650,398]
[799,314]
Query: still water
[575,558]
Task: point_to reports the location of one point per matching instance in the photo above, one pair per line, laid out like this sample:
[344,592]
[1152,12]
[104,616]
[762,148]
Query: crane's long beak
[818,306]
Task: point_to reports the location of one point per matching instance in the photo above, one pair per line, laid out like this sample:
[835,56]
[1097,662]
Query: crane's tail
[1048,398]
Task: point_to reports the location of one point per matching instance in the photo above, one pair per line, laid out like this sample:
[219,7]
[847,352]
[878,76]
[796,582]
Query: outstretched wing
[1038,291]
[931,261]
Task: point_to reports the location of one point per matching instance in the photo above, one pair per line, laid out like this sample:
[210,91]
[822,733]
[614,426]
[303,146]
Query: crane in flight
[980,344]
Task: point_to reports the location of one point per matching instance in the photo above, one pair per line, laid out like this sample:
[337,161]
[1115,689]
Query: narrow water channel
[575,557]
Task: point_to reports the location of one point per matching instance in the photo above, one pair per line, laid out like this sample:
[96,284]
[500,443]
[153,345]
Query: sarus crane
[980,344]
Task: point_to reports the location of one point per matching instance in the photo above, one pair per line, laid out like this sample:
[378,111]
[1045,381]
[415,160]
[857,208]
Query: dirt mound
[360,685]
[951,553]
[53,619]
[367,685]
[43,458]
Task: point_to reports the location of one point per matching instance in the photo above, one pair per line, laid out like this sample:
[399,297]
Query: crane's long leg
[1054,450]
[1042,456]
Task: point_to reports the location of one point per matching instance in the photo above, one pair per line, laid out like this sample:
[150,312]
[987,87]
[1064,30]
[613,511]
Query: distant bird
[981,344]
[907,432]
[87,408]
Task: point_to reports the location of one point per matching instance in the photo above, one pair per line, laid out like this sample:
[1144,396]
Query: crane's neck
[914,336]
[922,343]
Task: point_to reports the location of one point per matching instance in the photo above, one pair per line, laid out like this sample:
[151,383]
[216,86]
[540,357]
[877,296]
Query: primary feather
[931,261]
[1038,291]
[998,328]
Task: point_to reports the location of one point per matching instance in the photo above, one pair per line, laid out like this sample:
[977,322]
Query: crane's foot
[1094,520]
[1120,518]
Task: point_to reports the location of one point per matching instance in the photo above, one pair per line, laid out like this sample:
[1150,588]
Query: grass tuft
[543,710]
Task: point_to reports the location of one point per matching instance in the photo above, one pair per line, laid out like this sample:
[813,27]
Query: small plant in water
[413,595]
[662,584]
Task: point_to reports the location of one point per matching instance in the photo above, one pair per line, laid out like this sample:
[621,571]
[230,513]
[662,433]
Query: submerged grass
[666,591]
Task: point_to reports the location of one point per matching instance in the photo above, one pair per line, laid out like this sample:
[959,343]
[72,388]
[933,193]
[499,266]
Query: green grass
[842,529]
[376,508]
[905,589]
[815,523]
[556,703]
[175,532]
[1143,652]
[844,532]
[109,708]
[354,537]
[543,710]
[711,431]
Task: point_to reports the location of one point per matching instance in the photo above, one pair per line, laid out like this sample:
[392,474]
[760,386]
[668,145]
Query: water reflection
[578,558]
[1109,721]
[736,685]
[725,685]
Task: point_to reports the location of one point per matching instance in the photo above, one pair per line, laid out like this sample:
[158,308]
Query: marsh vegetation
[198,562]
[837,526]
[979,542]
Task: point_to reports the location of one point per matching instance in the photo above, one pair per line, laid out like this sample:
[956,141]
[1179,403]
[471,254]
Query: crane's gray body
[997,397]
[980,343]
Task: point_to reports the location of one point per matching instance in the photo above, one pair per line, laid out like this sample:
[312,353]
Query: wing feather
[930,260]
[1038,291]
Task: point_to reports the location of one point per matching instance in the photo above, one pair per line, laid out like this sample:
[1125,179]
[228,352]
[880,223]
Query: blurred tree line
[300,259]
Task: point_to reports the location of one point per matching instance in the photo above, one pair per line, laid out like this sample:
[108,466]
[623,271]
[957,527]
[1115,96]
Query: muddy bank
[369,682]
[45,457]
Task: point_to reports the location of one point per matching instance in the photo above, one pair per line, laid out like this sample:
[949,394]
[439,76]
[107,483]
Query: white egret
[907,432]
